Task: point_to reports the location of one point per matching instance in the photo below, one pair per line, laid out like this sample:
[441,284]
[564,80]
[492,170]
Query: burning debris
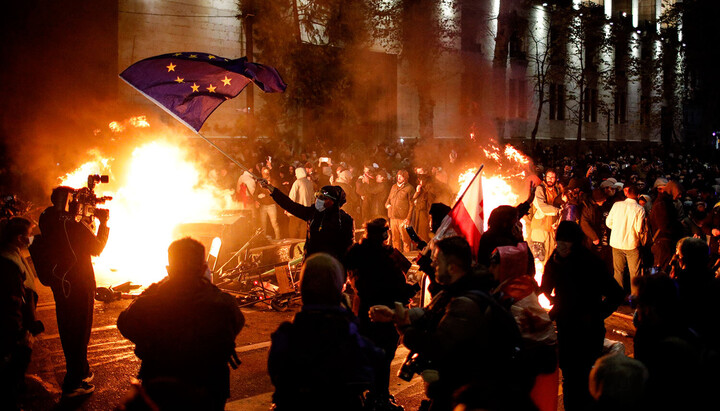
[159,189]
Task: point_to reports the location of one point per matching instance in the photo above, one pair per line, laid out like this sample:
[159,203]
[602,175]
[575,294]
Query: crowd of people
[640,229]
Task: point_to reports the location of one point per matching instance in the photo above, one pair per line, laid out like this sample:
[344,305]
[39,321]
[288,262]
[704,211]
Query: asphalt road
[112,359]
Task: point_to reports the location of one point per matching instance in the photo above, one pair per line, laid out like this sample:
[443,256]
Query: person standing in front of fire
[330,229]
[73,284]
[400,207]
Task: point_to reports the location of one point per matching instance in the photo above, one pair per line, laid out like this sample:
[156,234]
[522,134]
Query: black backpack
[43,259]
[509,344]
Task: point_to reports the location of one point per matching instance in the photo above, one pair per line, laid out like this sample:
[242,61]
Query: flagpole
[226,154]
[447,221]
[178,118]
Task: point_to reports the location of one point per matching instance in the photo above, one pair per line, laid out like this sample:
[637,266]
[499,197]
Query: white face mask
[320,205]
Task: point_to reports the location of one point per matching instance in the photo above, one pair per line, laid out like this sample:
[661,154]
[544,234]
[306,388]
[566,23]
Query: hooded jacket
[329,231]
[302,190]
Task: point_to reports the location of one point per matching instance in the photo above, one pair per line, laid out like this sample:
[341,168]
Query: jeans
[400,237]
[266,211]
[629,258]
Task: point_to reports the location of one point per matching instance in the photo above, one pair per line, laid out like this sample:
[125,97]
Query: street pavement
[112,359]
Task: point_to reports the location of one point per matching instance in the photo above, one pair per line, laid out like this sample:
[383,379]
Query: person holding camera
[72,244]
[463,336]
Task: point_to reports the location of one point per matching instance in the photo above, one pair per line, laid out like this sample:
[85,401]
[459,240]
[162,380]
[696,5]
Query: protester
[665,225]
[618,383]
[330,229]
[184,328]
[463,336]
[543,217]
[320,361]
[626,221]
[301,192]
[597,233]
[266,207]
[424,197]
[583,294]
[17,314]
[377,272]
[400,207]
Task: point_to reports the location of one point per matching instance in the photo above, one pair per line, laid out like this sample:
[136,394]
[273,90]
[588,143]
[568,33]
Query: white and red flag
[467,215]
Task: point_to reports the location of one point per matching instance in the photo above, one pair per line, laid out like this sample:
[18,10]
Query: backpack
[43,259]
[509,341]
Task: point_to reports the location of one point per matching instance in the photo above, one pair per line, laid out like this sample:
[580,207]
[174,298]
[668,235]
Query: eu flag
[190,86]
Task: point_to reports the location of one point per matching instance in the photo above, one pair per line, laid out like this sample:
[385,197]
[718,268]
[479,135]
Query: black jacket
[329,231]
[184,330]
[380,270]
[585,292]
[73,246]
[320,361]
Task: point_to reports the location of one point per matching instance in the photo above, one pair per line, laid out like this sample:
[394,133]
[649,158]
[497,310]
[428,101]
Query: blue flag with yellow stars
[190,86]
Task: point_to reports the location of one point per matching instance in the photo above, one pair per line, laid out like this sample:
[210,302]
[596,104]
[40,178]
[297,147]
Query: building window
[644,109]
[620,107]
[557,101]
[518,98]
[590,105]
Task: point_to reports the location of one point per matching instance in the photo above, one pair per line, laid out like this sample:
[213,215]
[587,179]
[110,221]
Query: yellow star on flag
[195,88]
[179,80]
[193,56]
[171,67]
[211,88]
[177,54]
[226,81]
[210,57]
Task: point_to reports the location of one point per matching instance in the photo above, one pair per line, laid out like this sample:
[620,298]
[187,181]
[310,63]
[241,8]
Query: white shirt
[626,220]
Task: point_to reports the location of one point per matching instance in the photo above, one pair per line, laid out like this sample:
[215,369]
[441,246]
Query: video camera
[83,202]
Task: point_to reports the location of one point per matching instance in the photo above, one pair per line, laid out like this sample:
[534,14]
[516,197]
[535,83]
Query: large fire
[503,182]
[160,190]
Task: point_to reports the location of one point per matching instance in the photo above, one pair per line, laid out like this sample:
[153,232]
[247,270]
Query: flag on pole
[190,85]
[468,215]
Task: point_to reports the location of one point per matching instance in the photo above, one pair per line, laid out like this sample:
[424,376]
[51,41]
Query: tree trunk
[533,133]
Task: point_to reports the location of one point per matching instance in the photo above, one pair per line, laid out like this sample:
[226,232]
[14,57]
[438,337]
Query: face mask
[320,205]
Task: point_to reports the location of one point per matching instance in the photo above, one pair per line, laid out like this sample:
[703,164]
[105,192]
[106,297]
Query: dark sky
[59,80]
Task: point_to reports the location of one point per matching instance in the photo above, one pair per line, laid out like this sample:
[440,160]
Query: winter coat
[401,202]
[184,329]
[320,361]
[302,190]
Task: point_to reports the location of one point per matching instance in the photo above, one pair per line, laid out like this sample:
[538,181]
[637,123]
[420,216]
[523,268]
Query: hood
[300,173]
[344,177]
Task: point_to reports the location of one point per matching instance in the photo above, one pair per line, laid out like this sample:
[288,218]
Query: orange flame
[499,188]
[136,122]
[161,190]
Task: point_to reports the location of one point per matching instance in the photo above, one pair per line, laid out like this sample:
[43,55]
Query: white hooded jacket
[302,190]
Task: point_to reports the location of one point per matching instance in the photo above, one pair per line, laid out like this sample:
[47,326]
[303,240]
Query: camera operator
[72,244]
[462,337]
